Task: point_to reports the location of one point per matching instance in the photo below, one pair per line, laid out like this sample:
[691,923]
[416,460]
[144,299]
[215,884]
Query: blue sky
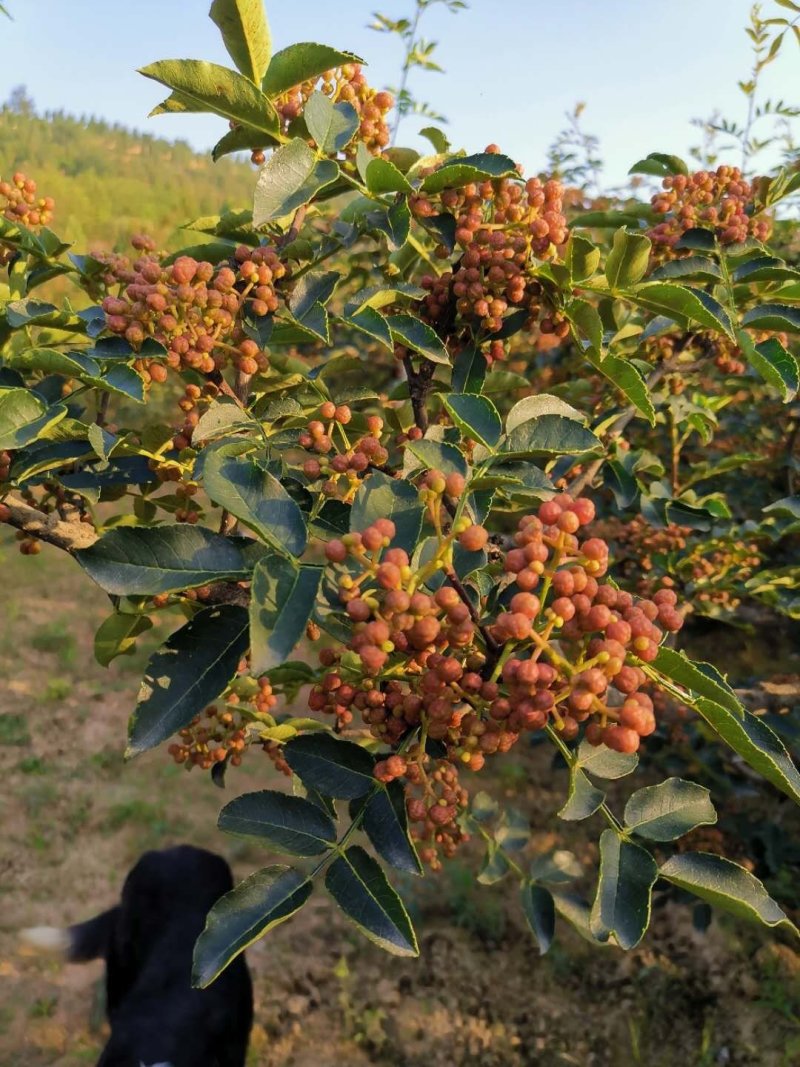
[513,67]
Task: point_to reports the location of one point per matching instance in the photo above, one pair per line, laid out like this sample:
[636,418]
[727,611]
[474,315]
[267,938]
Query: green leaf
[668,810]
[756,743]
[378,296]
[476,417]
[627,261]
[281,601]
[469,370]
[581,257]
[437,138]
[117,635]
[765,269]
[659,165]
[209,87]
[628,379]
[251,909]
[331,125]
[465,169]
[300,63]
[187,673]
[21,415]
[540,913]
[241,139]
[358,885]
[682,304]
[51,361]
[607,220]
[386,826]
[603,762]
[586,319]
[700,678]
[256,498]
[290,178]
[556,867]
[380,496]
[221,418]
[144,561]
[583,798]
[286,823]
[726,885]
[373,324]
[245,33]
[773,362]
[550,435]
[780,317]
[533,407]
[437,455]
[622,905]
[699,268]
[335,768]
[381,176]
[417,335]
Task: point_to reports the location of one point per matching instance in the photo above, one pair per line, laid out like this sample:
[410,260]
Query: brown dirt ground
[75,818]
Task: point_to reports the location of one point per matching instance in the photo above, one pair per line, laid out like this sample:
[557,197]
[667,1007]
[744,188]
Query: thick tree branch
[69,534]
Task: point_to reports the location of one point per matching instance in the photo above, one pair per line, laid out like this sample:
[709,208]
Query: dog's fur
[147,942]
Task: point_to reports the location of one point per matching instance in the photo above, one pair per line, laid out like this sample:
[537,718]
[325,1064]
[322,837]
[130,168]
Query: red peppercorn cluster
[341,463]
[220,732]
[564,649]
[501,226]
[348,84]
[721,200]
[193,308]
[22,204]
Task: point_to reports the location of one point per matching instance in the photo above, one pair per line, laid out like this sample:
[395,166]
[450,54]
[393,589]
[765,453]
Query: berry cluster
[220,732]
[501,226]
[342,471]
[564,648]
[344,84]
[193,308]
[22,204]
[721,200]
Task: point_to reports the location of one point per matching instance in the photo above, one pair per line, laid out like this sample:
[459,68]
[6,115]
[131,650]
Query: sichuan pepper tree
[308,440]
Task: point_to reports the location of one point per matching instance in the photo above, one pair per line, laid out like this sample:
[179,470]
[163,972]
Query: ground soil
[75,817]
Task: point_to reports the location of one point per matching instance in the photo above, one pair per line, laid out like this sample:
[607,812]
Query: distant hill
[110,182]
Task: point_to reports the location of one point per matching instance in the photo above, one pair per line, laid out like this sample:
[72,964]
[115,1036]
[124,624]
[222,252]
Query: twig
[419,382]
[69,534]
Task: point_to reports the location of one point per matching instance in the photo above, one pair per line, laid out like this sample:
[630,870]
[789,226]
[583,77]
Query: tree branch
[69,534]
[419,382]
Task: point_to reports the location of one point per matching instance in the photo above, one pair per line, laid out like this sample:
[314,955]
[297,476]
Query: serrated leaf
[756,743]
[245,33]
[626,377]
[210,87]
[622,905]
[290,178]
[550,435]
[469,370]
[495,866]
[682,304]
[780,317]
[256,498]
[300,63]
[286,823]
[533,407]
[417,335]
[668,810]
[604,762]
[776,365]
[386,825]
[701,679]
[583,798]
[117,635]
[336,768]
[331,125]
[726,885]
[281,602]
[437,455]
[247,912]
[144,561]
[187,673]
[476,417]
[581,257]
[465,169]
[380,496]
[221,418]
[381,177]
[360,888]
[627,261]
[540,913]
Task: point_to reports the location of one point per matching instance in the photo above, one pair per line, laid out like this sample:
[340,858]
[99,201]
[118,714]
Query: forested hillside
[109,182]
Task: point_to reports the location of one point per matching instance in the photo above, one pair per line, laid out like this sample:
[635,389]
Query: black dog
[147,940]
